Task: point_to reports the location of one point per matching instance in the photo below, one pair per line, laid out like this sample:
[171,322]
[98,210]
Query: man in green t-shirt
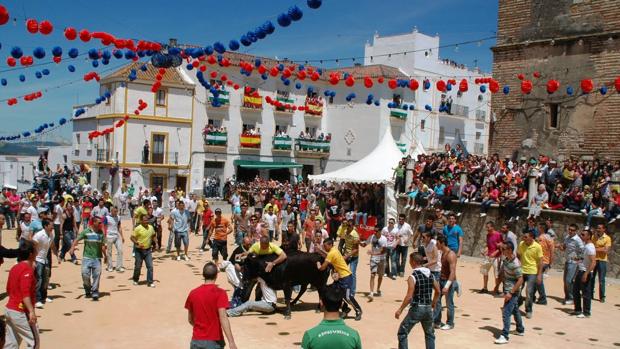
[332,331]
[94,250]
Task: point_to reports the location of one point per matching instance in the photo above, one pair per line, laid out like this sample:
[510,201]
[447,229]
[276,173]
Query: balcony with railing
[319,148]
[215,140]
[164,158]
[252,100]
[399,111]
[219,99]
[104,155]
[282,143]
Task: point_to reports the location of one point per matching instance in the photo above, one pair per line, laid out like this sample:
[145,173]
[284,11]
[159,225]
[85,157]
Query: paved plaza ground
[139,317]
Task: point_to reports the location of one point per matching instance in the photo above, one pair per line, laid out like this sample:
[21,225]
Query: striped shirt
[512,272]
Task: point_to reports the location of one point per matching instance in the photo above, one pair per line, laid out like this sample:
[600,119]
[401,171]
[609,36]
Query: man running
[144,237]
[114,239]
[180,220]
[530,254]
[378,244]
[513,279]
[94,250]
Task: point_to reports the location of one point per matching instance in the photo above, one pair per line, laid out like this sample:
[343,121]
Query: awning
[265,165]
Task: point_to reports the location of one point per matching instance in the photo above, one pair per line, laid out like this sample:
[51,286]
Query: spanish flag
[250,141]
[252,101]
[314,109]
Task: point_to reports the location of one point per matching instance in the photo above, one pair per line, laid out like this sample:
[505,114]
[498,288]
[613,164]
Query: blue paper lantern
[17,52]
[38,53]
[3,82]
[269,27]
[22,77]
[45,72]
[326,93]
[369,101]
[310,90]
[390,105]
[93,53]
[73,52]
[483,88]
[371,96]
[295,13]
[57,51]
[257,62]
[219,47]
[284,20]
[603,90]
[141,53]
[570,90]
[260,33]
[251,37]
[129,54]
[280,67]
[62,121]
[118,54]
[107,94]
[208,50]
[314,4]
[298,86]
[51,124]
[106,55]
[38,75]
[26,134]
[449,87]
[506,89]
[428,107]
[143,67]
[245,41]
[332,94]
[287,82]
[175,51]
[264,77]
[95,64]
[233,45]
[377,103]
[71,68]
[189,66]
[105,61]
[426,84]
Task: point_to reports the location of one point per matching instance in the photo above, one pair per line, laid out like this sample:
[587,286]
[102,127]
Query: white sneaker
[185,257]
[611,221]
[459,214]
[517,218]
[178,258]
[135,283]
[110,269]
[38,305]
[501,340]
[407,207]
[581,316]
[569,302]
[48,300]
[370,297]
[446,327]
[583,211]
[152,285]
[483,215]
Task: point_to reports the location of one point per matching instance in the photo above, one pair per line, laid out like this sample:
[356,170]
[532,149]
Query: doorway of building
[280,174]
[307,170]
[181,182]
[246,174]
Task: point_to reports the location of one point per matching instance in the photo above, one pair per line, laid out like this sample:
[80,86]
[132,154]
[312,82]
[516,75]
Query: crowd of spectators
[213,129]
[590,188]
[316,136]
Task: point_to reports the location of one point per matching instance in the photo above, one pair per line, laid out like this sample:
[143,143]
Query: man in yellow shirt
[264,247]
[530,254]
[343,277]
[140,212]
[602,244]
[143,237]
[350,241]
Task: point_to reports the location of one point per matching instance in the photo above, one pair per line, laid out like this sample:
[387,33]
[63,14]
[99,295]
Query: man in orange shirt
[309,227]
[219,230]
[548,247]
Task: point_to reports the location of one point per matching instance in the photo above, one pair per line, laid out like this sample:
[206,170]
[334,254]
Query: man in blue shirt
[454,234]
[179,221]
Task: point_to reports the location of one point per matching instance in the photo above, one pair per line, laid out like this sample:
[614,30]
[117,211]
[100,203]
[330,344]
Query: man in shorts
[378,244]
[179,220]
[491,258]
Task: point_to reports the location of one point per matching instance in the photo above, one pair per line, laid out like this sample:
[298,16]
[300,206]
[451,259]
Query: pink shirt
[493,240]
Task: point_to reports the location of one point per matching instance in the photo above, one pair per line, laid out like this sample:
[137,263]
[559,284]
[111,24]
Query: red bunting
[463,86]
[70,33]
[526,86]
[392,84]
[617,84]
[552,86]
[441,85]
[32,26]
[493,86]
[587,85]
[4,15]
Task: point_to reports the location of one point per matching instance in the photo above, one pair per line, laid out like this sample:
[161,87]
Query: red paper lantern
[57,59]
[493,86]
[301,75]
[552,86]
[224,77]
[4,15]
[236,87]
[414,84]
[225,62]
[32,26]
[213,74]
[70,33]
[229,83]
[463,86]
[380,79]
[617,84]
[286,73]
[477,81]
[84,35]
[368,82]
[203,68]
[520,76]
[587,85]
[46,27]
[126,117]
[301,108]
[274,71]
[211,60]
[392,84]
[315,76]
[441,85]
[162,71]
[268,99]
[262,69]
[526,86]
[11,62]
[350,81]
[195,64]
[536,74]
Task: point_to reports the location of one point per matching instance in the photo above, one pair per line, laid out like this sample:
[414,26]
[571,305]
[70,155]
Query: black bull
[298,269]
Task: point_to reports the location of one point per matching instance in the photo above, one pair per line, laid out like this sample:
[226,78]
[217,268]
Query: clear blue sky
[338,29]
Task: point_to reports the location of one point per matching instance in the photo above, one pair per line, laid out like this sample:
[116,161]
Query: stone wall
[568,41]
[475,233]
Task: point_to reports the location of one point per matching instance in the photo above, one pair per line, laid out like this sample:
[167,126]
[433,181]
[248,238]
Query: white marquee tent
[376,167]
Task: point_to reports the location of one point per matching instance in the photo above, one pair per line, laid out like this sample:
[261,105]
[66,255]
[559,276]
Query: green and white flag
[223,97]
[313,145]
[282,143]
[216,138]
[398,113]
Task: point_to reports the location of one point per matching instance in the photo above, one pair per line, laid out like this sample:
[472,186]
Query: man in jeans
[219,230]
[94,250]
[44,240]
[602,243]
[405,233]
[266,305]
[391,234]
[179,220]
[114,238]
[420,285]
[530,254]
[144,237]
[378,245]
[446,282]
[582,286]
[572,247]
[513,279]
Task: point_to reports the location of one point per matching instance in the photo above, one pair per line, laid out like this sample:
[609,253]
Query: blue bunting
[93,53]
[314,4]
[39,53]
[45,72]
[428,107]
[233,45]
[17,52]
[57,51]
[506,89]
[295,13]
[71,68]
[483,88]
[219,47]
[284,20]
[22,77]
[73,52]
[570,90]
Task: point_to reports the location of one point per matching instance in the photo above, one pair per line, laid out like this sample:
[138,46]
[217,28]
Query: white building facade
[190,139]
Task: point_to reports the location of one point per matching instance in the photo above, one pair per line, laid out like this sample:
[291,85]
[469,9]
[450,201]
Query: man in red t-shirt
[206,311]
[21,320]
[491,258]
